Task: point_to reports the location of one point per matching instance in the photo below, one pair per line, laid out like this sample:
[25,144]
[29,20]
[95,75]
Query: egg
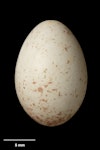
[51,74]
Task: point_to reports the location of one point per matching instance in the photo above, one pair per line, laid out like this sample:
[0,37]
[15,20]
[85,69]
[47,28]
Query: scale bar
[19,139]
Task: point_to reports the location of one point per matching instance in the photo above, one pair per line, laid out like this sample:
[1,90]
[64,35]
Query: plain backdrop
[17,21]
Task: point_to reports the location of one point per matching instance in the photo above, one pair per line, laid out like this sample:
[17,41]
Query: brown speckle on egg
[33,104]
[66,49]
[45,86]
[54,90]
[49,82]
[59,94]
[76,95]
[40,89]
[44,108]
[68,61]
[45,70]
[34,82]
[80,79]
[66,72]
[38,118]
[44,100]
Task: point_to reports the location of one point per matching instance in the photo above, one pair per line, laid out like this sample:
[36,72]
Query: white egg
[51,74]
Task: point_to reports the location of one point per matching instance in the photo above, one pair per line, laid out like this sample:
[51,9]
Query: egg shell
[51,74]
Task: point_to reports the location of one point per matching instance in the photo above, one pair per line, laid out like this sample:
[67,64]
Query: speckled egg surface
[51,74]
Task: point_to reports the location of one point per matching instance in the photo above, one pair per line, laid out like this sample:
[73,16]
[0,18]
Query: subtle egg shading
[51,74]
